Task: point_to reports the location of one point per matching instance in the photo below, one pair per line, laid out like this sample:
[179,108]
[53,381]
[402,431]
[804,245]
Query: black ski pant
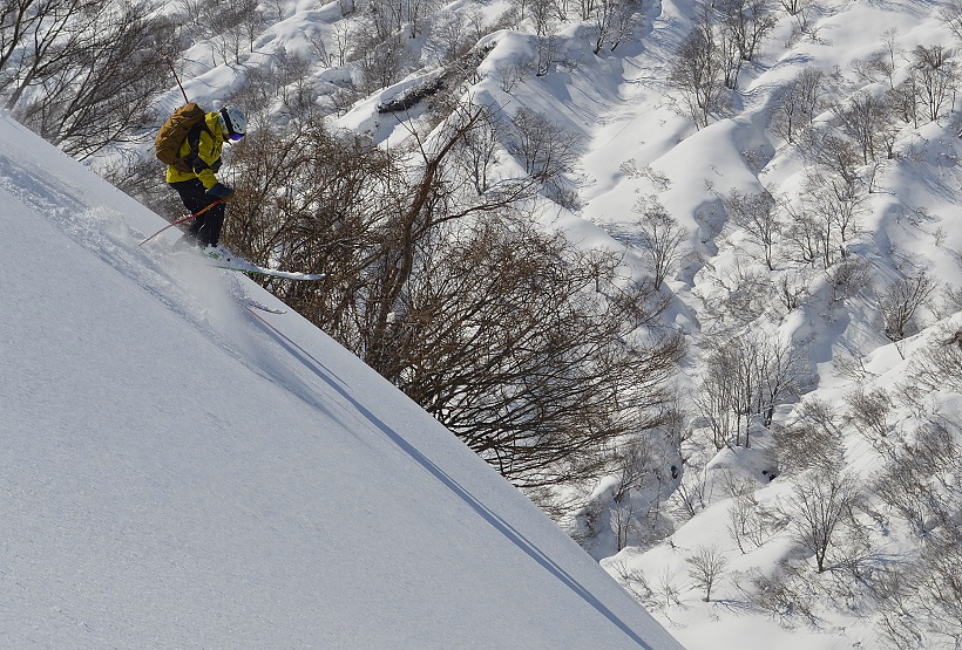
[205,229]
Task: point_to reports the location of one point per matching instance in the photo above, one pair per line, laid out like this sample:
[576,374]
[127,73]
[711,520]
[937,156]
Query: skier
[196,181]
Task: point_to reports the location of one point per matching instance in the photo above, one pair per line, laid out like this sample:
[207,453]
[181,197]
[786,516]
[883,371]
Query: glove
[220,191]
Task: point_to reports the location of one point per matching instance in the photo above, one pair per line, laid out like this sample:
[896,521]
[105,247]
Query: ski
[259,270]
[240,265]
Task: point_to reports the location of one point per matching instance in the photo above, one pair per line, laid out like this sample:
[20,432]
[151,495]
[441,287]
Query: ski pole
[177,79]
[180,221]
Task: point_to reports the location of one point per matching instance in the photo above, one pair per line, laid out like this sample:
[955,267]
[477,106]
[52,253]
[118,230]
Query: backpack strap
[193,158]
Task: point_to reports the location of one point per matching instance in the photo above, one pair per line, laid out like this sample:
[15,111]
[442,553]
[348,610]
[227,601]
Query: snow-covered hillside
[179,471]
[804,237]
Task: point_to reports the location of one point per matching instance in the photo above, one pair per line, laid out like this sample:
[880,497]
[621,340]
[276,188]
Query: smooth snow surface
[178,472]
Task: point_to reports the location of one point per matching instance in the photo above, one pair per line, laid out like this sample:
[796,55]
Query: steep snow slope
[637,147]
[176,471]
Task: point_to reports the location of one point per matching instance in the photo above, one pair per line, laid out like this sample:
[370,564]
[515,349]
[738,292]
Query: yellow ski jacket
[207,145]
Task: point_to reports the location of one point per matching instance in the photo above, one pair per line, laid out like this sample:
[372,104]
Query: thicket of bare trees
[919,482]
[798,104]
[920,599]
[749,522]
[937,367]
[525,348]
[827,218]
[869,411]
[745,378]
[512,354]
[707,66]
[866,124]
[868,121]
[82,73]
[229,27]
[916,597]
[545,150]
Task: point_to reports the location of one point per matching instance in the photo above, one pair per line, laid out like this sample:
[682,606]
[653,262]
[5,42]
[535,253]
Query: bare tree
[812,440]
[667,592]
[792,289]
[613,21]
[547,47]
[869,411]
[756,214]
[748,22]
[900,301]
[837,200]
[544,149]
[477,153]
[40,39]
[450,36]
[635,583]
[623,25]
[937,367]
[807,236]
[705,567]
[380,60]
[541,13]
[632,465]
[389,17]
[497,337]
[848,278]
[689,498]
[239,24]
[835,153]
[937,79]
[741,519]
[794,7]
[867,120]
[819,508]
[781,593]
[715,399]
[698,72]
[333,51]
[952,16]
[661,239]
[903,99]
[728,49]
[624,523]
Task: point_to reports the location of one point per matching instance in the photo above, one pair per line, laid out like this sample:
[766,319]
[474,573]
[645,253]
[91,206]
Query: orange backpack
[173,133]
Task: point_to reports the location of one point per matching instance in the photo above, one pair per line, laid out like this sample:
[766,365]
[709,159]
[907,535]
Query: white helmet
[233,122]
